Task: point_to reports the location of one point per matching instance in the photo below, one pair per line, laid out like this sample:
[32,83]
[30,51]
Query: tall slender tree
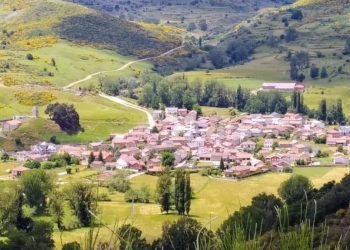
[322,110]
[163,191]
[180,191]
[340,114]
[188,193]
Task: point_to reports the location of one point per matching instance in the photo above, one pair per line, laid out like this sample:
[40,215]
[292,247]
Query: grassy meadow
[209,200]
[99,118]
[72,63]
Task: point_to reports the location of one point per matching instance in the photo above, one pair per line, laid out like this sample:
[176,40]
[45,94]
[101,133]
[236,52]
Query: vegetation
[65,116]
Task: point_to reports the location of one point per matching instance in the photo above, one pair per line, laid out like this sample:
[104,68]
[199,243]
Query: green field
[99,117]
[212,198]
[72,63]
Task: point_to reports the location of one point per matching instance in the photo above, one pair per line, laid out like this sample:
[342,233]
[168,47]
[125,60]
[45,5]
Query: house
[344,130]
[158,115]
[171,111]
[182,112]
[17,172]
[180,155]
[268,143]
[44,148]
[11,125]
[340,159]
[283,87]
[248,145]
[126,161]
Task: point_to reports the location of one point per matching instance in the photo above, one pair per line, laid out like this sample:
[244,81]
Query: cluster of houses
[247,144]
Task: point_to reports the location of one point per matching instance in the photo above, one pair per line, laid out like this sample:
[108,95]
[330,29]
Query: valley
[151,124]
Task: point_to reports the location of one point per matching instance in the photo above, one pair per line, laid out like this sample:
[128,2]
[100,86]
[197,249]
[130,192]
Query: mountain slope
[53,42]
[41,22]
[219,14]
[322,32]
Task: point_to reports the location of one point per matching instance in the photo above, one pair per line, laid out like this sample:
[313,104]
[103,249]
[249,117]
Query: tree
[65,116]
[154,130]
[218,57]
[340,117]
[294,189]
[56,201]
[5,157]
[183,234]
[163,191]
[100,156]
[291,34]
[239,100]
[198,109]
[39,237]
[91,158]
[36,185]
[11,212]
[324,73]
[222,164]
[297,15]
[80,199]
[260,215]
[322,110]
[314,71]
[30,57]
[188,100]
[191,27]
[130,238]
[203,25]
[188,193]
[180,184]
[32,164]
[347,47]
[168,158]
[119,182]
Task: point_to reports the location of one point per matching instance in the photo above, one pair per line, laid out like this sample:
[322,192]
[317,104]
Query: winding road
[120,101]
[121,68]
[151,121]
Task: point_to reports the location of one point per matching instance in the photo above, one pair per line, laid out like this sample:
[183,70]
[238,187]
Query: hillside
[218,14]
[65,42]
[40,22]
[322,32]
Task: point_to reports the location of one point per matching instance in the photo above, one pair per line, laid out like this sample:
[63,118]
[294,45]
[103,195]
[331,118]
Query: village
[244,145]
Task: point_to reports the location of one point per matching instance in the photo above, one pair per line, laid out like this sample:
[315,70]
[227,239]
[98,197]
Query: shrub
[30,57]
[32,164]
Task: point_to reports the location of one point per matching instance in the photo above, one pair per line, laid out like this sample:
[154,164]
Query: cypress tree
[340,114]
[322,111]
[188,193]
[163,191]
[324,73]
[100,156]
[180,191]
[91,158]
[222,165]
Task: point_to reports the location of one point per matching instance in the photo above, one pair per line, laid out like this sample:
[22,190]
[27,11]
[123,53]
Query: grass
[72,63]
[209,200]
[99,117]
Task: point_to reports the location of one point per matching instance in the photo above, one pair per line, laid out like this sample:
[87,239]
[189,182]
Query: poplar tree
[163,191]
[188,193]
[322,111]
[180,184]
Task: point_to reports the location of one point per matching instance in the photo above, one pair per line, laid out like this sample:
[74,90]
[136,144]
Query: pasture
[213,198]
[99,117]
